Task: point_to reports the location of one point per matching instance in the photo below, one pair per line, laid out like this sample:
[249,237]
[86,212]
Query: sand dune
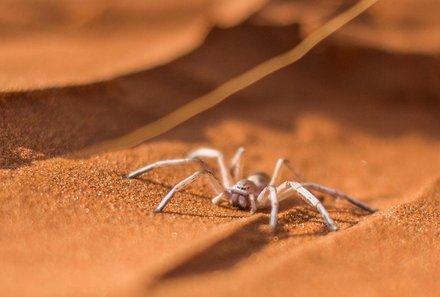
[394,253]
[361,116]
[59,43]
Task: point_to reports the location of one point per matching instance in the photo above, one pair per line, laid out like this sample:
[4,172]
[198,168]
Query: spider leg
[165,163]
[212,153]
[223,196]
[237,163]
[182,184]
[276,171]
[254,205]
[324,189]
[269,192]
[287,188]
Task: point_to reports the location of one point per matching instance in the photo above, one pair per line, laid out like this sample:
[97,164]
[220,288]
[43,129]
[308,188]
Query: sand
[360,114]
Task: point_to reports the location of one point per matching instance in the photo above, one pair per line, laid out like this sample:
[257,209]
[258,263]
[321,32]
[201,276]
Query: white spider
[257,191]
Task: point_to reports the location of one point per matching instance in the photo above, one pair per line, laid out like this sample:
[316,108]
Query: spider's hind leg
[324,189]
[279,164]
[286,189]
[165,163]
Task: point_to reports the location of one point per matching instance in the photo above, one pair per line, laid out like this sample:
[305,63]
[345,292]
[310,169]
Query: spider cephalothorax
[257,191]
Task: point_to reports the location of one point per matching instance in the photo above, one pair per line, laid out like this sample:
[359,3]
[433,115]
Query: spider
[255,192]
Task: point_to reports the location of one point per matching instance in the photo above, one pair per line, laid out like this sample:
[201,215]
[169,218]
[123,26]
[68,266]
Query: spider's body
[241,192]
[257,191]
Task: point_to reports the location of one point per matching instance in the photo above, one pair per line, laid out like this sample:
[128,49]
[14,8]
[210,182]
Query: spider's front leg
[236,168]
[165,163]
[269,194]
[222,197]
[204,171]
[213,153]
[190,179]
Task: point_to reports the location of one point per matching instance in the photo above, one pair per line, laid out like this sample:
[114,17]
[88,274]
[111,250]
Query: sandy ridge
[407,244]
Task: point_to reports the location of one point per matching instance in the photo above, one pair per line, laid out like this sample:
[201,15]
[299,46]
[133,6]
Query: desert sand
[360,113]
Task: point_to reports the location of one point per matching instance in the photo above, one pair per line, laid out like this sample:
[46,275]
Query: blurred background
[50,43]
[150,57]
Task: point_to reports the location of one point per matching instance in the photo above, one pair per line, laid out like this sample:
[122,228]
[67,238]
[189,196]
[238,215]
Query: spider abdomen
[259,179]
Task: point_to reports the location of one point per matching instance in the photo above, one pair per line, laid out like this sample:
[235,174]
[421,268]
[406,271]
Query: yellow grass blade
[232,86]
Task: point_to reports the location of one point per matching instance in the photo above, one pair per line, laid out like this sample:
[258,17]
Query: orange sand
[362,117]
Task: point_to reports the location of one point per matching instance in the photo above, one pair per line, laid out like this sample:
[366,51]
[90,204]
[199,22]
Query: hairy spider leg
[286,189]
[213,182]
[213,153]
[182,184]
[269,193]
[253,200]
[237,163]
[223,196]
[276,172]
[324,189]
[166,163]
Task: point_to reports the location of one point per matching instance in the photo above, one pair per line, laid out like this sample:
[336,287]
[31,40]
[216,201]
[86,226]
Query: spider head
[240,193]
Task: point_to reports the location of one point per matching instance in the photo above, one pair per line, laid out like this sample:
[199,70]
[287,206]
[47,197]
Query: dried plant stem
[234,85]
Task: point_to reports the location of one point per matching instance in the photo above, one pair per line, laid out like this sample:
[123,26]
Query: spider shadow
[202,216]
[250,239]
[222,254]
